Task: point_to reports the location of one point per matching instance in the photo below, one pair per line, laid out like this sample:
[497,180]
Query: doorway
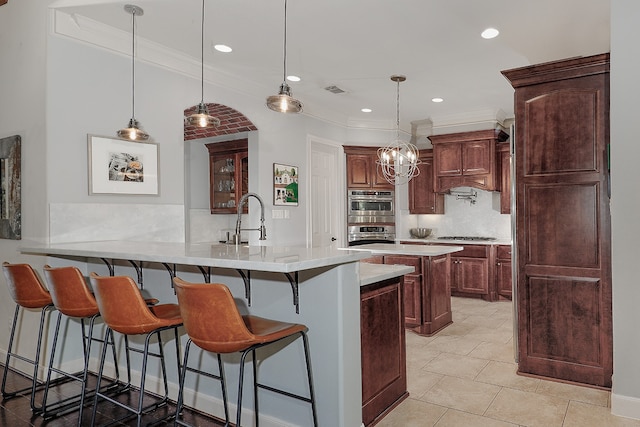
[325,219]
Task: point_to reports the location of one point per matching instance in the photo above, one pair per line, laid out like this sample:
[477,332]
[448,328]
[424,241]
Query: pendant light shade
[202,118]
[133,131]
[400,159]
[283,102]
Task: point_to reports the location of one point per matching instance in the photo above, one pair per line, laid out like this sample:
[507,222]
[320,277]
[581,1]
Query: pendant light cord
[398,109]
[284,67]
[133,64]
[202,55]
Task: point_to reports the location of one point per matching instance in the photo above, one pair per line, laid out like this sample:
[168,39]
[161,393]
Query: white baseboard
[625,406]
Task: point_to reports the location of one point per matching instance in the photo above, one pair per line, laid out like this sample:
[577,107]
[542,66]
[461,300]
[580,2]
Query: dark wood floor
[16,412]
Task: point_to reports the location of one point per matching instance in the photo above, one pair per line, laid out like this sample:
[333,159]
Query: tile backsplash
[462,218]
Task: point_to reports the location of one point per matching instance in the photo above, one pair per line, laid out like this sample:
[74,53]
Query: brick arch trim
[231,121]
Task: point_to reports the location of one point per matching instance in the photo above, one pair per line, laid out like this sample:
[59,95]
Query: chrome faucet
[261,229]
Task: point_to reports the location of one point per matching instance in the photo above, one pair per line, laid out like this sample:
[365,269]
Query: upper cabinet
[228,175]
[362,170]
[422,198]
[466,159]
[503,168]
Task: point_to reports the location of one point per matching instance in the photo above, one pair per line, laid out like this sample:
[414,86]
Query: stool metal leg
[240,383]
[183,374]
[255,387]
[312,395]
[35,362]
[311,399]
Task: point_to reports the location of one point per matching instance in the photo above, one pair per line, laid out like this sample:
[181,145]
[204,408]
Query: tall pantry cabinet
[563,232]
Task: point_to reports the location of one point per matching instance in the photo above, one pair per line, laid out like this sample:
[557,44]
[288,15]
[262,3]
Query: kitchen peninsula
[427,291]
[327,288]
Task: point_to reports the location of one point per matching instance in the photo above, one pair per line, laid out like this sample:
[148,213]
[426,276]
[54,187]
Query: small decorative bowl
[420,233]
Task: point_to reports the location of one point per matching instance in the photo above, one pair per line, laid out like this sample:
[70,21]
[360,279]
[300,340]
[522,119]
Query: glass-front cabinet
[228,175]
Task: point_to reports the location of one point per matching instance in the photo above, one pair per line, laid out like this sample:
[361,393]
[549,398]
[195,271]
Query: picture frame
[285,185]
[120,166]
[10,188]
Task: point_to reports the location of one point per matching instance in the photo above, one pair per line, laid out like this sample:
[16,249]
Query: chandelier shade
[201,118]
[399,159]
[133,131]
[283,102]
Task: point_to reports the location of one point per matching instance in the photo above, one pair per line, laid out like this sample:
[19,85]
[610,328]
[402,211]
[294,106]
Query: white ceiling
[358,44]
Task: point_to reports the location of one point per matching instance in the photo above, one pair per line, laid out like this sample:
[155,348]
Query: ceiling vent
[334,89]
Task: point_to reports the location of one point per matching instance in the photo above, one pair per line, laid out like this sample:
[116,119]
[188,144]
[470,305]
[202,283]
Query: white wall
[23,31]
[625,205]
[89,94]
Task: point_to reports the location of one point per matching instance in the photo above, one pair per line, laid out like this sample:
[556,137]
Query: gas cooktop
[476,238]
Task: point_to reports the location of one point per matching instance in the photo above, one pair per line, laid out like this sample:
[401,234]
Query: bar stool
[73,298]
[213,322]
[124,310]
[28,292]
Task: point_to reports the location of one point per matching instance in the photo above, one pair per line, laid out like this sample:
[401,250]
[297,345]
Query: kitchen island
[427,291]
[325,283]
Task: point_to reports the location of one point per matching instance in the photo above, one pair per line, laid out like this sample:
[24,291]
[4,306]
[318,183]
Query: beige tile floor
[465,376]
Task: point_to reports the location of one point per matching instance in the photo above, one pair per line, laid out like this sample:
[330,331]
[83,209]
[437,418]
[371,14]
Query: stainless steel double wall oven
[371,216]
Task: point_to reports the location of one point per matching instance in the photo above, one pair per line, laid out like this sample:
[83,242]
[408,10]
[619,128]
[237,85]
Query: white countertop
[435,241]
[398,249]
[372,273]
[262,258]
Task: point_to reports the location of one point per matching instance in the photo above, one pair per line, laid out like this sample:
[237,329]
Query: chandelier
[399,159]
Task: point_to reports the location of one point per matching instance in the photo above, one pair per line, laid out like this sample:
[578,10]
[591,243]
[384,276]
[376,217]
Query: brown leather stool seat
[28,292]
[124,310]
[73,298]
[213,322]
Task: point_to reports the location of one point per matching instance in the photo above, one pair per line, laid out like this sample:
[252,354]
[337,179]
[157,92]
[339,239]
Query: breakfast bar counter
[327,289]
[327,286]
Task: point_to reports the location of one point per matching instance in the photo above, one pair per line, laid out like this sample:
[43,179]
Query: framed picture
[119,166]
[285,185]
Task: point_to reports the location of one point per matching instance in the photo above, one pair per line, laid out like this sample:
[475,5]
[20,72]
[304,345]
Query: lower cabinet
[427,297]
[384,367]
[503,271]
[470,273]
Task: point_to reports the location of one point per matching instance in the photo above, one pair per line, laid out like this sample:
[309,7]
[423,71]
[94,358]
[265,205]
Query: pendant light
[283,102]
[133,131]
[399,160]
[202,118]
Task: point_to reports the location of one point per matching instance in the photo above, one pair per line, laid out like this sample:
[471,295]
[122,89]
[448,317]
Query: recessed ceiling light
[437,99]
[366,110]
[293,78]
[222,48]
[490,33]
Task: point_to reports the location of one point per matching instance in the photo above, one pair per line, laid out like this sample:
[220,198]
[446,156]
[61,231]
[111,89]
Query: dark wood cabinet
[383,354]
[503,271]
[470,272]
[466,159]
[413,296]
[422,197]
[504,180]
[362,169]
[427,299]
[563,221]
[228,175]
